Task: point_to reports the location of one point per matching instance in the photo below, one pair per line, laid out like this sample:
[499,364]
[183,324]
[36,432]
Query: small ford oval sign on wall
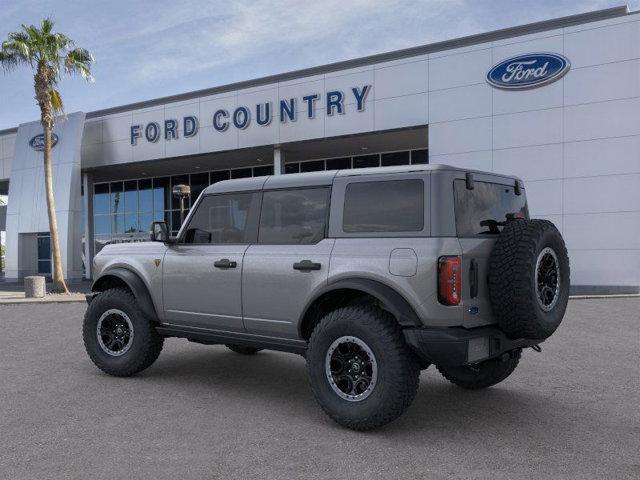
[37,142]
[528,71]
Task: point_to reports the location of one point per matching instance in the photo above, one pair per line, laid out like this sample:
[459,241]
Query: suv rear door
[289,261]
[480,214]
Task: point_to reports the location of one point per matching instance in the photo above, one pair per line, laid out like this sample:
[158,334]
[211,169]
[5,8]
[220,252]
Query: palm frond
[56,101]
[79,60]
[47,25]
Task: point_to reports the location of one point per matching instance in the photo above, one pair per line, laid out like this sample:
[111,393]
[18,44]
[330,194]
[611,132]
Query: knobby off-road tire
[361,331]
[131,355]
[482,375]
[529,279]
[242,349]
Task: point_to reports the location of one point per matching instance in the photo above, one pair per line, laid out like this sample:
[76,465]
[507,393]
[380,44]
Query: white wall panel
[91,155]
[603,45]
[544,197]
[345,82]
[212,104]
[459,70]
[403,79]
[470,160]
[600,120]
[602,157]
[594,267]
[212,140]
[117,152]
[255,135]
[92,133]
[460,136]
[604,231]
[546,43]
[117,127]
[352,121]
[602,82]
[182,145]
[611,193]
[527,128]
[540,162]
[407,111]
[9,146]
[460,103]
[512,101]
[304,128]
[301,89]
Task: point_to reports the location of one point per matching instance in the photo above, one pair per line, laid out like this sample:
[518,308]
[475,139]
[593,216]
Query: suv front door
[202,273]
[289,262]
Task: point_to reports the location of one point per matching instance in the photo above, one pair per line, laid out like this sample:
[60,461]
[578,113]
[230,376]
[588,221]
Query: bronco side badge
[157,262]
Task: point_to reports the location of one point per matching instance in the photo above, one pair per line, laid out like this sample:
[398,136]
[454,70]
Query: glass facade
[124,210]
[404,157]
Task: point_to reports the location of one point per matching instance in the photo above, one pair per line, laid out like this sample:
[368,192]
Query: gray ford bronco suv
[371,274]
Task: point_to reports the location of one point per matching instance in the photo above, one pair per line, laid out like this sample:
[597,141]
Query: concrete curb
[72,298]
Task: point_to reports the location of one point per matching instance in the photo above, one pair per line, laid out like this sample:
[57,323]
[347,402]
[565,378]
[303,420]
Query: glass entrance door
[44,253]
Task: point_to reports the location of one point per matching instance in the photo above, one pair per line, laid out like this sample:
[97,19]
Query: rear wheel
[482,375]
[242,349]
[118,337]
[361,372]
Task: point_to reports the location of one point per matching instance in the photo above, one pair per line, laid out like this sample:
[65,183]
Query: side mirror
[159,232]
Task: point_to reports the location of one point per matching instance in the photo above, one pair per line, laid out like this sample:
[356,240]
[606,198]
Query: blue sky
[149,49]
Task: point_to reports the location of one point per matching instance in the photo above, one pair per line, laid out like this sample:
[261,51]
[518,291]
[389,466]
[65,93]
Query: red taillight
[449,280]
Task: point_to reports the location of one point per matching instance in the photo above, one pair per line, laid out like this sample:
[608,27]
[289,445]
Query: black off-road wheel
[242,349]
[362,373]
[118,337]
[529,279]
[482,375]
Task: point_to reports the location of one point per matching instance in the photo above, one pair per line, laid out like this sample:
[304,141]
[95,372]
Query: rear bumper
[461,346]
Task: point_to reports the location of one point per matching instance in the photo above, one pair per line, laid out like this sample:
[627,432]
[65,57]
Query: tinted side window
[483,210]
[296,216]
[386,206]
[223,219]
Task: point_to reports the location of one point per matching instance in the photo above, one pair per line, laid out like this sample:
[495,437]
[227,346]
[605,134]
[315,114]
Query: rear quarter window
[384,206]
[483,210]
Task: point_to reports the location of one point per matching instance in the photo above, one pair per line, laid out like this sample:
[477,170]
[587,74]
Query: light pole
[182,192]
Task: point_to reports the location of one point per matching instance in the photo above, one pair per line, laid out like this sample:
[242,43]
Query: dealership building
[556,103]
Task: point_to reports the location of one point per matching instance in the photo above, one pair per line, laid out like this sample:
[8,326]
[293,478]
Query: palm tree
[47,53]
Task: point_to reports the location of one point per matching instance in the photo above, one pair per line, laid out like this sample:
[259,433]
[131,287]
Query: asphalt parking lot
[572,411]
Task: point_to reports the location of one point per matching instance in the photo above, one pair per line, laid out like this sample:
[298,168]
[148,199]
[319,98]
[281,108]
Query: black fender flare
[135,284]
[392,301]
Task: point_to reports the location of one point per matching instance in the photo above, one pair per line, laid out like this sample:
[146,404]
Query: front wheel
[118,337]
[484,374]
[361,372]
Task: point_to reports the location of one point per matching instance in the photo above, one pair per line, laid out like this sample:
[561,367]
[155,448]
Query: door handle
[306,265]
[225,263]
[473,278]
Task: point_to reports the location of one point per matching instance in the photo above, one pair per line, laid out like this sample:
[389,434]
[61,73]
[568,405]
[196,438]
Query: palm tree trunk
[59,285]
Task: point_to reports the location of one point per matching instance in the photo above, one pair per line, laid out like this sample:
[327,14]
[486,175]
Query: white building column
[278,160]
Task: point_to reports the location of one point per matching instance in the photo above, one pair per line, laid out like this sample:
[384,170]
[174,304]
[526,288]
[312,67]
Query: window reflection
[124,210]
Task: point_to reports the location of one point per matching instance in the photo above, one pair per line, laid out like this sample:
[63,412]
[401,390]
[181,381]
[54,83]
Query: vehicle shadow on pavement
[280,382]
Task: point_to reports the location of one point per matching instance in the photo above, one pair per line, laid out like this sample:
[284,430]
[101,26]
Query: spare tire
[529,279]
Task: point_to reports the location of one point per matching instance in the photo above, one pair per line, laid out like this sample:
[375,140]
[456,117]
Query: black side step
[208,337]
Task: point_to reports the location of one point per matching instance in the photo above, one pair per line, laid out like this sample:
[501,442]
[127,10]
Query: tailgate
[475,289]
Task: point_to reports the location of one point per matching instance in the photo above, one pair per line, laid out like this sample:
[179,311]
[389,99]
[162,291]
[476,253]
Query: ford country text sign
[528,71]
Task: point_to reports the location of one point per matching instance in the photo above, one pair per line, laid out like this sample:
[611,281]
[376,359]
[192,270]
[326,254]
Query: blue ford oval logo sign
[37,142]
[528,71]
